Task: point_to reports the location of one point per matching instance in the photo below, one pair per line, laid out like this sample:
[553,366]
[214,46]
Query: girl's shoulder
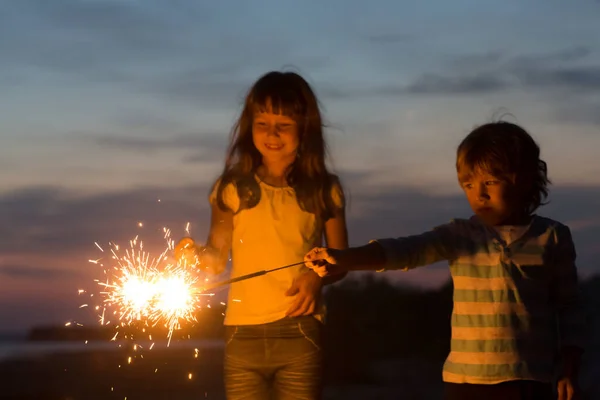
[337,192]
[235,192]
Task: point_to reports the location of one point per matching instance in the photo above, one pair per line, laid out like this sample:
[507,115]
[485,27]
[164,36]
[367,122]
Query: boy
[515,281]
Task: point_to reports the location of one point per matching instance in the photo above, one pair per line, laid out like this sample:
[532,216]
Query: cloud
[196,147]
[196,87]
[585,78]
[567,55]
[426,84]
[191,141]
[489,73]
[477,83]
[162,52]
[34,272]
[202,156]
[549,70]
[93,36]
[55,222]
[494,72]
[225,85]
[135,47]
[390,38]
[145,120]
[178,51]
[578,111]
[470,61]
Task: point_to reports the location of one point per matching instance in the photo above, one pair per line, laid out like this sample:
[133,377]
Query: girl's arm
[219,237]
[336,237]
[307,286]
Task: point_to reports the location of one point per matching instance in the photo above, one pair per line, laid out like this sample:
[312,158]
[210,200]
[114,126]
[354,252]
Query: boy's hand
[307,289]
[567,389]
[186,251]
[325,262]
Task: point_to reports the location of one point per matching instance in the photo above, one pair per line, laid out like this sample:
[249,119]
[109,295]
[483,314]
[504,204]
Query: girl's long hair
[286,93]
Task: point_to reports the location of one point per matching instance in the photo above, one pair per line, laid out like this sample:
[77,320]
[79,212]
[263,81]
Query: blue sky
[108,106]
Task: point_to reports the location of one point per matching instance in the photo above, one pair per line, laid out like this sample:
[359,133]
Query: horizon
[111,106]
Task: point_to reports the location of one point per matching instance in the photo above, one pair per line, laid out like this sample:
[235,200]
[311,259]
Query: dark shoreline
[164,374]
[151,374]
[381,342]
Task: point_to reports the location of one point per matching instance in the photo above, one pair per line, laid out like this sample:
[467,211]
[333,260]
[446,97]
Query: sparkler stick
[249,276]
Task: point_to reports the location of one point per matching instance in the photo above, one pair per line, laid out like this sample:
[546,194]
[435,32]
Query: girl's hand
[186,251]
[325,262]
[307,291]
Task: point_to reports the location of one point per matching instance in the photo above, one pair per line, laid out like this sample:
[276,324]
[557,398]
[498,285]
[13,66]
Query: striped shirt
[515,303]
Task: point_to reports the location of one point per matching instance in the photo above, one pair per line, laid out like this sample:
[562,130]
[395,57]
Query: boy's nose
[483,193]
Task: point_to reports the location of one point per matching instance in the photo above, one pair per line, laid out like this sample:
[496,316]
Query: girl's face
[275,136]
[493,200]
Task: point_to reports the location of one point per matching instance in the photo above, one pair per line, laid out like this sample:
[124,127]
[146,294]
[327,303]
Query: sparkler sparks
[139,288]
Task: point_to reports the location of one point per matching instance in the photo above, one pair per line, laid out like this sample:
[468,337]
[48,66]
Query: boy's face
[492,199]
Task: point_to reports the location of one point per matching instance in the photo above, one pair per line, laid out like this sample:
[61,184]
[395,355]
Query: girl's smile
[275,136]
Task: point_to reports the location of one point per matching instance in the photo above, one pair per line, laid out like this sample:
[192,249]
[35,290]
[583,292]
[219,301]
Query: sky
[108,106]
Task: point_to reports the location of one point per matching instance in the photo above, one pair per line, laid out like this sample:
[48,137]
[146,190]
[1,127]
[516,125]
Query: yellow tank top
[274,233]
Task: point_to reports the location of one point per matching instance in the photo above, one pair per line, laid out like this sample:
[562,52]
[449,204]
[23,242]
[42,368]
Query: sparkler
[139,288]
[249,276]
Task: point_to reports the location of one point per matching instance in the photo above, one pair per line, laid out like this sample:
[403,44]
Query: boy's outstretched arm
[402,253]
[328,262]
[571,318]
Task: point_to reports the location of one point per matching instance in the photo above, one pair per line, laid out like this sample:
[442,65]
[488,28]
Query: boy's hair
[506,151]
[285,93]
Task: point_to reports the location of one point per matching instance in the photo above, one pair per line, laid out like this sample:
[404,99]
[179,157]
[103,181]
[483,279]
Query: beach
[53,371]
[367,355]
[194,371]
[107,371]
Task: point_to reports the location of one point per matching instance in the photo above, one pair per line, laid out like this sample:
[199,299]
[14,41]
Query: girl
[515,282]
[273,202]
